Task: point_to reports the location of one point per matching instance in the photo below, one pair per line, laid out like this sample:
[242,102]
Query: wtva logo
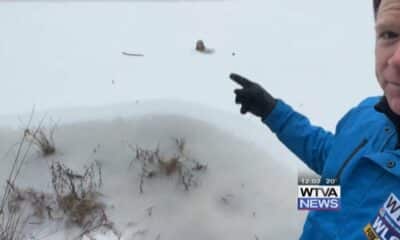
[318,197]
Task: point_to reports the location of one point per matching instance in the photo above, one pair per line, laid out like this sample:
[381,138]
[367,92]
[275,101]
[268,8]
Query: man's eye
[388,35]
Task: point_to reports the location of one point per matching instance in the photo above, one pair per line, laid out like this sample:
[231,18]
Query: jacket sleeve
[308,142]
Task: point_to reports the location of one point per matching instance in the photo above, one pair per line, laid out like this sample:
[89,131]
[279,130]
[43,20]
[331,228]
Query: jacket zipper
[354,152]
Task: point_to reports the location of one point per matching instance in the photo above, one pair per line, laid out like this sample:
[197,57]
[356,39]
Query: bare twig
[17,164]
[133,54]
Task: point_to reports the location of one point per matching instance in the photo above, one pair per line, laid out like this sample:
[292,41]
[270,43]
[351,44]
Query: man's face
[387,51]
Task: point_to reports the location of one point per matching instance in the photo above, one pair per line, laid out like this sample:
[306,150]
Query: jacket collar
[383,107]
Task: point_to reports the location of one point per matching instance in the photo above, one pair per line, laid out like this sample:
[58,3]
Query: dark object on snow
[133,54]
[200,47]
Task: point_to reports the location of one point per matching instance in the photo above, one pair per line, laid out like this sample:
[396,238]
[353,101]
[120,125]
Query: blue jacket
[362,156]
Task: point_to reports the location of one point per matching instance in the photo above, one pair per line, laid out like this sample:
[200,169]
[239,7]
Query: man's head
[387,50]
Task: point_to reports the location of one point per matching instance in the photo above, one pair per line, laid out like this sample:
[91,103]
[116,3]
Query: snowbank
[246,192]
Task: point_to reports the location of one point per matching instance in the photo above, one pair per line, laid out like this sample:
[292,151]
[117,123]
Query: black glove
[253,97]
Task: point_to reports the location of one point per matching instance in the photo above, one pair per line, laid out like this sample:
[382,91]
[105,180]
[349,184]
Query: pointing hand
[252,97]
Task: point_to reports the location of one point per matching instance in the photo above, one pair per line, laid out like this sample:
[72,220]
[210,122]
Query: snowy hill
[243,193]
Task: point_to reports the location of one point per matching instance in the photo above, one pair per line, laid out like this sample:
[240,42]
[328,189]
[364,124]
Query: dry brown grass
[79,210]
[39,203]
[153,164]
[75,196]
[43,138]
[78,197]
[13,222]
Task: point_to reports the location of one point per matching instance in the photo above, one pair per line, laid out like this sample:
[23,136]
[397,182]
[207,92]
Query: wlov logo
[318,197]
[386,225]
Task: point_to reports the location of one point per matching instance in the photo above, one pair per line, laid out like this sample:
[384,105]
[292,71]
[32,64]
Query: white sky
[316,55]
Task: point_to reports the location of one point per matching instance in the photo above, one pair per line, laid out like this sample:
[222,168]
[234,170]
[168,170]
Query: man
[363,155]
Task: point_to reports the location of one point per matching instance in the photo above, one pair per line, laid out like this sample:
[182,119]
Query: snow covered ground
[65,58]
[243,193]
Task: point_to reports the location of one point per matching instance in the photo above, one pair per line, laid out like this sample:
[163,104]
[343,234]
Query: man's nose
[395,59]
